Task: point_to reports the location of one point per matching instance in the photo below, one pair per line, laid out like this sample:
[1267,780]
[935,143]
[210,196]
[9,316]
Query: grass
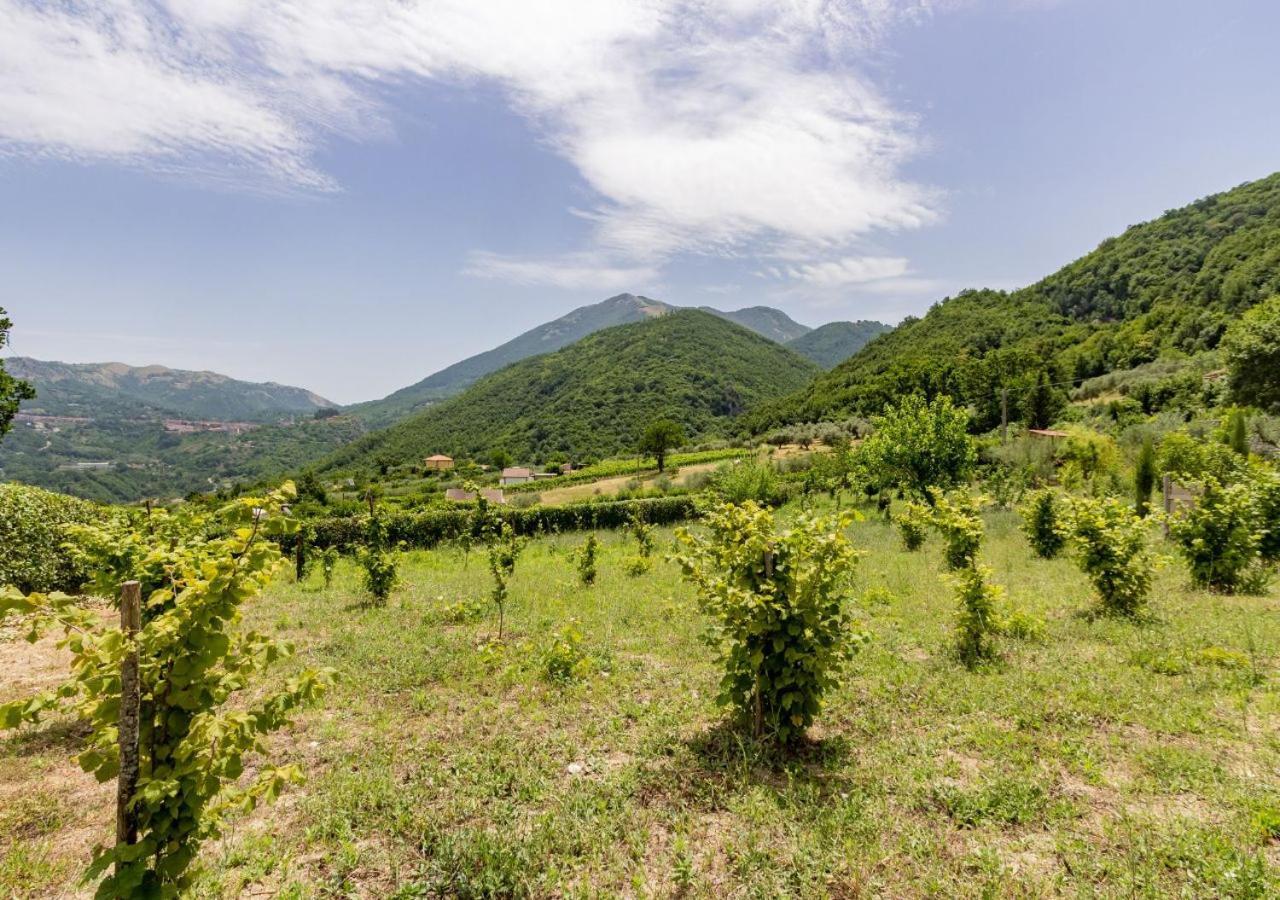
[1102,757]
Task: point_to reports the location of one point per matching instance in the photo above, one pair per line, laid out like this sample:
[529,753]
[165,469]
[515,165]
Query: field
[1101,758]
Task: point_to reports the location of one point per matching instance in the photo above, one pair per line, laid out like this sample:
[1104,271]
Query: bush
[1186,457]
[503,554]
[429,528]
[1110,543]
[381,565]
[955,515]
[1041,523]
[919,445]
[913,524]
[979,622]
[1266,485]
[747,480]
[777,601]
[1219,535]
[329,565]
[1144,477]
[587,560]
[566,659]
[33,529]
[1252,349]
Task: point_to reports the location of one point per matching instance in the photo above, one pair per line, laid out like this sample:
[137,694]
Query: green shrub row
[33,527]
[429,528]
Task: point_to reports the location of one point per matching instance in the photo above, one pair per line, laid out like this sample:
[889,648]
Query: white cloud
[704,126]
[850,270]
[583,271]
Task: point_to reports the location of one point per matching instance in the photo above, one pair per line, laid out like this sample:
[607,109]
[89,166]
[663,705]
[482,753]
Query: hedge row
[33,527]
[426,529]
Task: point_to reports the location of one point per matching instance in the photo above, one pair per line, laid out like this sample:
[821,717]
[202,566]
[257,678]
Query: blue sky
[351,195]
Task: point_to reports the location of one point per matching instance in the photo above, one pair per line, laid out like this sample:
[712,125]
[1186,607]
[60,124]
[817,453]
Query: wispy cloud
[849,270]
[583,271]
[700,126]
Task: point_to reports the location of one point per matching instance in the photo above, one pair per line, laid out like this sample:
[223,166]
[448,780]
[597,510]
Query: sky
[349,195]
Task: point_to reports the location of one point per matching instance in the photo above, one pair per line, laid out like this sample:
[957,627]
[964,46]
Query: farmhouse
[438,463]
[516,475]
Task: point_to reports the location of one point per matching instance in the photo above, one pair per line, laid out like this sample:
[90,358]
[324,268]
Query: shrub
[33,531]
[1252,349]
[586,555]
[1144,477]
[381,565]
[1219,535]
[1184,456]
[1086,457]
[1110,544]
[919,445]
[459,612]
[747,480]
[979,622]
[1041,523]
[566,659]
[778,607]
[503,554]
[913,524]
[1266,485]
[329,565]
[955,515]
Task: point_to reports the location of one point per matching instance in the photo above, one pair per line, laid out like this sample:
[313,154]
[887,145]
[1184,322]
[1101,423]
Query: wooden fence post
[130,704]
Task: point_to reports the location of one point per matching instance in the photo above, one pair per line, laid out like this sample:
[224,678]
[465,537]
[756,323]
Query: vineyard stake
[130,703]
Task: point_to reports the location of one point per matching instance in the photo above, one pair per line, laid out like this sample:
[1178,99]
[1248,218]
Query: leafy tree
[1252,349]
[660,438]
[979,621]
[1042,523]
[1219,535]
[504,551]
[379,561]
[12,391]
[1043,403]
[587,560]
[777,602]
[1110,544]
[955,515]
[1238,432]
[920,445]
[329,565]
[310,488]
[1144,477]
[197,666]
[913,523]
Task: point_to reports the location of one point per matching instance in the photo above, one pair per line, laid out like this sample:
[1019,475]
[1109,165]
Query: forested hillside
[1164,288]
[573,326]
[121,391]
[596,396]
[831,344]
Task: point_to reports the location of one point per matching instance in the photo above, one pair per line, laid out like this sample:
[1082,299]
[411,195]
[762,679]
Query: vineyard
[584,752]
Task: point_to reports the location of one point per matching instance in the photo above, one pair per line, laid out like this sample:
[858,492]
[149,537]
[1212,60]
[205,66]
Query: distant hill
[113,389]
[1163,288]
[833,343]
[619,310]
[764,320]
[112,432]
[594,397]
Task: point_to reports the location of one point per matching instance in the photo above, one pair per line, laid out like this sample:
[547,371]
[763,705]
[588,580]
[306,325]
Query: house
[516,475]
[438,463]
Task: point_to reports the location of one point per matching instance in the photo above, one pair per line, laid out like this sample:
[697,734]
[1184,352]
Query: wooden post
[130,705]
[1004,415]
[300,559]
[757,713]
[1166,486]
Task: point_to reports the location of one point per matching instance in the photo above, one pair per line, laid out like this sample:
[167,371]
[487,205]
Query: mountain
[112,432]
[1165,288]
[764,320]
[833,343]
[619,310]
[100,390]
[594,397]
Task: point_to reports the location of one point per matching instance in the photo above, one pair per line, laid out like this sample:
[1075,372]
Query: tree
[1238,433]
[919,445]
[1252,349]
[12,390]
[1144,477]
[659,438]
[1043,403]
